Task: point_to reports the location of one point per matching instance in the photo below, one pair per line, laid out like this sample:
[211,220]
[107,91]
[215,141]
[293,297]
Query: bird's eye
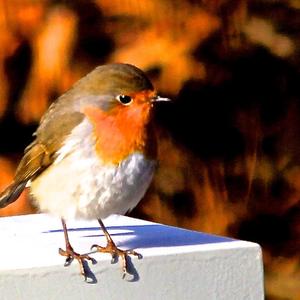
[124,99]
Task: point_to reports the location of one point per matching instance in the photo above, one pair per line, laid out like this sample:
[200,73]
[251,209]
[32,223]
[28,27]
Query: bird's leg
[71,254]
[114,250]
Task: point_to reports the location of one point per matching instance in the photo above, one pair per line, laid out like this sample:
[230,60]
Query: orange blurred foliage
[229,145]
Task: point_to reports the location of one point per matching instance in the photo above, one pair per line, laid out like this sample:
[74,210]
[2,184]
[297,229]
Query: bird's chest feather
[80,185]
[122,132]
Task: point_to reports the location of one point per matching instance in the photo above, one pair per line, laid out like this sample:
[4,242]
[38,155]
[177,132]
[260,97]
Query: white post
[176,264]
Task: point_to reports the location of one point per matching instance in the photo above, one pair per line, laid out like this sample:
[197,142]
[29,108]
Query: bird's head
[120,110]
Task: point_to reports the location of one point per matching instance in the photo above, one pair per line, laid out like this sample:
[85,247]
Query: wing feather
[41,153]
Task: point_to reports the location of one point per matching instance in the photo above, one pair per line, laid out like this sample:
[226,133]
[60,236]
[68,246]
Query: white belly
[79,185]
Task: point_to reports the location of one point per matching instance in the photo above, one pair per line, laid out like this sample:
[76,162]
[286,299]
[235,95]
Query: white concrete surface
[176,263]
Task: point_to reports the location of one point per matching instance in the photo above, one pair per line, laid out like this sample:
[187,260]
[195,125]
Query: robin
[94,153]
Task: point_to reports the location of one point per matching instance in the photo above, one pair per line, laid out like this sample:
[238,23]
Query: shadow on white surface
[150,236]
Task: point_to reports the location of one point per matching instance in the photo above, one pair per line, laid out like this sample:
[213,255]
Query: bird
[94,154]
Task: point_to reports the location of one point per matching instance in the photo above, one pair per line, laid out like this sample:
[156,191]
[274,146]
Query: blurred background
[229,145]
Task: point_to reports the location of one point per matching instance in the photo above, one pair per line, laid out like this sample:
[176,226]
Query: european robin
[94,153]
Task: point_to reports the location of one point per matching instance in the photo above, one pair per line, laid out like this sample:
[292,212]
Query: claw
[71,254]
[124,274]
[92,247]
[116,253]
[68,261]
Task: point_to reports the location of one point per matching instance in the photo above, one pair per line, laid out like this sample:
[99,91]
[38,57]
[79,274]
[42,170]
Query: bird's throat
[121,132]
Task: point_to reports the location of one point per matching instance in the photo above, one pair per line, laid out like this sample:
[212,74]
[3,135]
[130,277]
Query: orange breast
[122,131]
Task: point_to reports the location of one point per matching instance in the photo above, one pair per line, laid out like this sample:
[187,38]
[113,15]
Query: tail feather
[11,193]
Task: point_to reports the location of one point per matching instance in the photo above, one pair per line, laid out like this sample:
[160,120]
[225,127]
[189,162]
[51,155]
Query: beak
[158,99]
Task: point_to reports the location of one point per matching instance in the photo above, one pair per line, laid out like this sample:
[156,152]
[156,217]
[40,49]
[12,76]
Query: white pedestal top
[176,263]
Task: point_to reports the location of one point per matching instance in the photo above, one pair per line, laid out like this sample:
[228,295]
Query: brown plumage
[93,153]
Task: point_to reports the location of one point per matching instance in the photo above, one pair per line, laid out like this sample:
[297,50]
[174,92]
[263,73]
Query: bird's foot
[71,254]
[116,253]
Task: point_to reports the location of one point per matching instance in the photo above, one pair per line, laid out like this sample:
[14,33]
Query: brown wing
[40,154]
[35,160]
